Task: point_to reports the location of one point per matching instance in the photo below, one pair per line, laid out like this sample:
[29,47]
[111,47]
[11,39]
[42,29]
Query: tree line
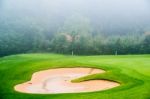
[76,36]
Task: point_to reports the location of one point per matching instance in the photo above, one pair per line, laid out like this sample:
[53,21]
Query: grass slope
[133,72]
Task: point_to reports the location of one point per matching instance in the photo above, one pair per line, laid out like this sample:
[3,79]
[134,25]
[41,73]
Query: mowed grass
[131,71]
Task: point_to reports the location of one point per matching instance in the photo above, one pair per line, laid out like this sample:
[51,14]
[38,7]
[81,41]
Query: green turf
[132,71]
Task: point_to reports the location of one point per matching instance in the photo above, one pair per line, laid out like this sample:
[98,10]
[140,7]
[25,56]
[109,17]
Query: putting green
[131,71]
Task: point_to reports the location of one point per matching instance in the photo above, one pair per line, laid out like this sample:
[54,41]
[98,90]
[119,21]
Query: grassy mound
[133,72]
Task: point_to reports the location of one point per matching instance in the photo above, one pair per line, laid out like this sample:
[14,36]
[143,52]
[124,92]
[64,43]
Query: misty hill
[94,26]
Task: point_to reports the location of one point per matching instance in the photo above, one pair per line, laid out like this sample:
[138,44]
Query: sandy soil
[59,81]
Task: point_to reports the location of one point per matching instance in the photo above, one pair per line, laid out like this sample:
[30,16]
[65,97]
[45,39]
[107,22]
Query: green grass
[132,71]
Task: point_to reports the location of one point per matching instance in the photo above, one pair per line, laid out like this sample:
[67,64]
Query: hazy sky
[102,13]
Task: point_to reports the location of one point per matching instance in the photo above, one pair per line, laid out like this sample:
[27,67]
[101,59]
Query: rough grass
[133,72]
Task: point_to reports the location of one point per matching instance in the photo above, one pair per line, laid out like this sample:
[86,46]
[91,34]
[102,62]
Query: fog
[81,27]
[106,16]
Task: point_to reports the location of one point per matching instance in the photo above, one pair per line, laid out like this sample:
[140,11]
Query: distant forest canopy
[71,28]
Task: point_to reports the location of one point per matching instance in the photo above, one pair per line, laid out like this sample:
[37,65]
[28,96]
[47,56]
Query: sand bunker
[59,81]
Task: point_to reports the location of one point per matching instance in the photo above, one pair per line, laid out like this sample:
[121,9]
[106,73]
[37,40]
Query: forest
[78,31]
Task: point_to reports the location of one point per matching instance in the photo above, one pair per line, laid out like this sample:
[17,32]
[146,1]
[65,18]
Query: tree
[146,44]
[75,30]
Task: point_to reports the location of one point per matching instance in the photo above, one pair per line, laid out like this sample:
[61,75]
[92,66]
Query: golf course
[132,72]
[74,49]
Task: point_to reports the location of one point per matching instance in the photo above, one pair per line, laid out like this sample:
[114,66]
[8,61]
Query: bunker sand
[59,81]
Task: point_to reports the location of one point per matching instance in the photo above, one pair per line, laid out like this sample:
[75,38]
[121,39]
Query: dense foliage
[74,27]
[75,36]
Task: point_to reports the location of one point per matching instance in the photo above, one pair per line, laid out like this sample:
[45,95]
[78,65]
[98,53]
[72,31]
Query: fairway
[131,71]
